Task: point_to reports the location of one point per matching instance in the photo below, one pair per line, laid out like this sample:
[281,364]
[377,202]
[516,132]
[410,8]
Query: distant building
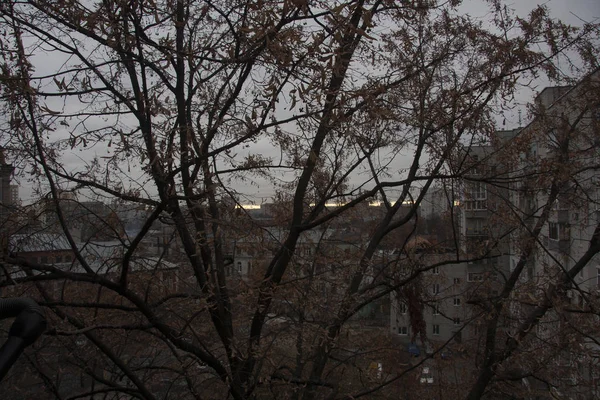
[6,171]
[14,194]
[87,220]
[6,224]
[42,248]
[467,212]
[439,298]
[482,209]
[436,202]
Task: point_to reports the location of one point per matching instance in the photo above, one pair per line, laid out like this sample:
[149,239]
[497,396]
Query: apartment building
[562,158]
[441,302]
[565,136]
[472,208]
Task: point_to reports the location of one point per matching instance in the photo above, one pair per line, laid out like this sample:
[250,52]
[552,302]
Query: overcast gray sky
[573,12]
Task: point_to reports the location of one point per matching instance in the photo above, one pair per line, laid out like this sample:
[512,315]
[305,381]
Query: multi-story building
[441,302]
[14,194]
[6,223]
[562,160]
[471,210]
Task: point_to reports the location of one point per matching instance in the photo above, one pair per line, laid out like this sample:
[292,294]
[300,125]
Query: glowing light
[248,206]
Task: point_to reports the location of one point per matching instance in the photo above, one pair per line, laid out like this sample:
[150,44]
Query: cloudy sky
[573,11]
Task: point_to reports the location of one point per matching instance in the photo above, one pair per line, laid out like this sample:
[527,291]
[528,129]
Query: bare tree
[161,108]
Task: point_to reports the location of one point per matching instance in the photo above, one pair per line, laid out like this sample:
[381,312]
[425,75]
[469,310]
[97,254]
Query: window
[435,288]
[475,196]
[553,230]
[456,281]
[402,330]
[239,266]
[475,277]
[457,301]
[476,205]
[457,321]
[475,226]
[598,277]
[436,310]
[436,329]
[476,168]
[436,270]
[402,308]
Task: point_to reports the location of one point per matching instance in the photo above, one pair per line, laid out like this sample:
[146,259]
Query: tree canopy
[178,111]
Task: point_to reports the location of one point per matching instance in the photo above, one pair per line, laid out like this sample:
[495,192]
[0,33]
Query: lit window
[457,301]
[436,329]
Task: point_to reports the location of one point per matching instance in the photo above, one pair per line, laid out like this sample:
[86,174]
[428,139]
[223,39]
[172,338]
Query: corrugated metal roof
[38,242]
